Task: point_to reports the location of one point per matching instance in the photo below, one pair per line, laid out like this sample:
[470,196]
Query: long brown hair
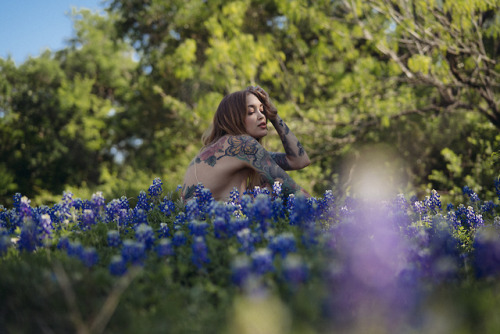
[229,119]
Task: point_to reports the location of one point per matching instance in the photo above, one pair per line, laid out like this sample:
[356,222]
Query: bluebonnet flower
[277,189]
[74,248]
[145,235]
[179,239]
[294,270]
[419,208]
[220,227]
[17,201]
[63,243]
[262,261]
[167,206]
[164,248]
[262,211]
[28,239]
[246,240]
[450,207]
[140,216]
[200,252]
[97,202]
[163,231]
[486,254]
[133,252]
[475,220]
[283,244]
[25,210]
[240,270]
[89,256]
[203,196]
[234,197]
[198,228]
[87,218]
[142,201]
[155,189]
[113,238]
[236,224]
[192,209]
[301,212]
[45,226]
[278,209]
[488,207]
[432,202]
[180,219]
[117,266]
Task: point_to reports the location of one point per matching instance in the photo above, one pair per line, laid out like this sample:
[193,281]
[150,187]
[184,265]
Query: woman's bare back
[227,164]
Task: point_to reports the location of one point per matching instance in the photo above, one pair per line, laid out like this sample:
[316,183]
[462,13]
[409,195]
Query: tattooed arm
[248,149]
[295,157]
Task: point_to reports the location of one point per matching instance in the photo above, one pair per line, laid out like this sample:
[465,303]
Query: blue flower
[262,261]
[145,235]
[294,270]
[155,189]
[142,201]
[246,240]
[200,252]
[28,240]
[89,256]
[117,266]
[167,206]
[163,231]
[486,254]
[497,187]
[283,244]
[220,228]
[74,249]
[97,202]
[198,228]
[113,238]
[179,239]
[240,270]
[87,218]
[164,248]
[133,252]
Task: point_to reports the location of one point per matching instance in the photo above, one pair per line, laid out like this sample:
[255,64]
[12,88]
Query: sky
[28,27]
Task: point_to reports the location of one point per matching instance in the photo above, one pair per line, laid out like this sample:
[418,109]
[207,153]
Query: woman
[233,156]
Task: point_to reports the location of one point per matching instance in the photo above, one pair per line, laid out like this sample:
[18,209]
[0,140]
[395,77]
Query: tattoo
[301,149]
[246,148]
[280,159]
[188,192]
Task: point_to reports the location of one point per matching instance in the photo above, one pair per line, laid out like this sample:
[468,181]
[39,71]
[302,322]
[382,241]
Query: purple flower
[220,228]
[87,218]
[167,206]
[28,240]
[74,248]
[97,202]
[142,201]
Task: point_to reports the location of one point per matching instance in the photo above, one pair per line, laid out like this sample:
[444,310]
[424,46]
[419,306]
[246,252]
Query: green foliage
[137,86]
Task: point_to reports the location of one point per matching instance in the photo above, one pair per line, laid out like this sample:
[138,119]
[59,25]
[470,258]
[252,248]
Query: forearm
[295,153]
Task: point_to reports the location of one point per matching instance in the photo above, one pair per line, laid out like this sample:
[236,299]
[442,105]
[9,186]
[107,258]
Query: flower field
[259,263]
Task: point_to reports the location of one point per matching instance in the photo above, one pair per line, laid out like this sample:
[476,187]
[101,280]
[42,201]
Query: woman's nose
[261,114]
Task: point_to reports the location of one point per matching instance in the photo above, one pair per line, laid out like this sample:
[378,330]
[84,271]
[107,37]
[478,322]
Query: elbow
[302,163]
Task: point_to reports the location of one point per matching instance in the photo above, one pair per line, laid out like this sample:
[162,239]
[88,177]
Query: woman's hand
[270,110]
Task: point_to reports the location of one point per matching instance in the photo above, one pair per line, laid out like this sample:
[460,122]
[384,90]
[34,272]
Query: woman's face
[255,120]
